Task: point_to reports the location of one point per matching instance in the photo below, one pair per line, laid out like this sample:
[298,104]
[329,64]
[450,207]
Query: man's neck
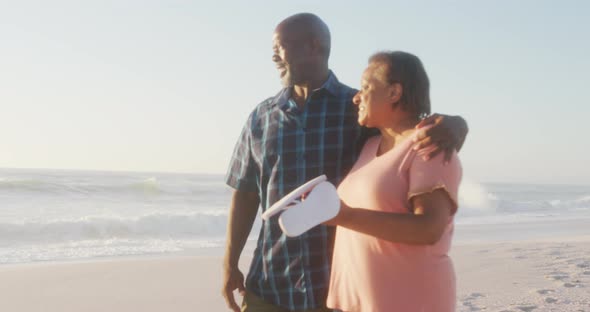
[302,91]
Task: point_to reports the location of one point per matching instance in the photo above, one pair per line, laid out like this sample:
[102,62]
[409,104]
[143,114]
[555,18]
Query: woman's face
[374,98]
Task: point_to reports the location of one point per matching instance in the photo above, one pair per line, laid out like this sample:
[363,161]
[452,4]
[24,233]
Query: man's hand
[446,134]
[233,279]
[242,212]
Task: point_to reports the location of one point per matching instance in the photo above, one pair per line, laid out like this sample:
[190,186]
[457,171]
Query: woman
[396,218]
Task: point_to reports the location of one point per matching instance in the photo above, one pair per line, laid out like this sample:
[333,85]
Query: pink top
[374,275]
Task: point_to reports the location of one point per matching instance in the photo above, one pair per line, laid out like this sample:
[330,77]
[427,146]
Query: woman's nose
[276,58]
[356,99]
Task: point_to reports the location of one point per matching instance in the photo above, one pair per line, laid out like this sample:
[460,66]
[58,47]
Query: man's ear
[395,92]
[315,46]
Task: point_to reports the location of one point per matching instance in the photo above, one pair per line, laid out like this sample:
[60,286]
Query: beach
[514,276]
[104,241]
[131,129]
[524,276]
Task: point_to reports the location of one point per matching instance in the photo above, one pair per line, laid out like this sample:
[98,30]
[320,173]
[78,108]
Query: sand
[525,276]
[515,276]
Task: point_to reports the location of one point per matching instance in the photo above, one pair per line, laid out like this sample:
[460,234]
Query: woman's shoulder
[370,143]
[373,140]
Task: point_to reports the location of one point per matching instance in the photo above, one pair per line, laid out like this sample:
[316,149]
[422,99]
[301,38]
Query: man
[309,128]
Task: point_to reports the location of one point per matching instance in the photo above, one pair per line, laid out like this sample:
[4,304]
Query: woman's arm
[431,212]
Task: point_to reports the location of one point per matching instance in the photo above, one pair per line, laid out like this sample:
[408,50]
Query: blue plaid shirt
[280,148]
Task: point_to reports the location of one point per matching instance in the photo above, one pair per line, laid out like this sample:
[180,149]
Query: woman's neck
[396,132]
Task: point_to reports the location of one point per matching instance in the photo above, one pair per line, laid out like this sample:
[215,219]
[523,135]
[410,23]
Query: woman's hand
[344,209]
[446,134]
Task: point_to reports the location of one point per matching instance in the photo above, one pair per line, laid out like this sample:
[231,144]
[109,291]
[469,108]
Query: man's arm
[447,133]
[243,209]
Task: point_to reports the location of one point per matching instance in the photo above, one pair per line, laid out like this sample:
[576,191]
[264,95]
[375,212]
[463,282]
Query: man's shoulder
[340,89]
[343,95]
[347,89]
[266,105]
[261,110]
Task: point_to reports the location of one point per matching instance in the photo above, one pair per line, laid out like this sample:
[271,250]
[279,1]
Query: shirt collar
[331,86]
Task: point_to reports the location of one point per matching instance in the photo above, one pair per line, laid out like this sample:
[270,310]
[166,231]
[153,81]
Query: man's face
[291,57]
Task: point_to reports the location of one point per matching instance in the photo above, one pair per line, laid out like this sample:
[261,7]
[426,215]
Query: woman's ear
[395,92]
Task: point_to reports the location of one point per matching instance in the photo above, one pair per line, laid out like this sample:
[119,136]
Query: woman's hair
[407,70]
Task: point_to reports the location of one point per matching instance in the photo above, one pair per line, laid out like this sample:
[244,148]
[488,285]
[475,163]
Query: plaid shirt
[280,148]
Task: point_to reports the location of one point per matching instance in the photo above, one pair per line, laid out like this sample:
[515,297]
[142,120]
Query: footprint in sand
[527,308]
[550,300]
[467,302]
[474,308]
[572,284]
[557,276]
[470,305]
[545,291]
[475,296]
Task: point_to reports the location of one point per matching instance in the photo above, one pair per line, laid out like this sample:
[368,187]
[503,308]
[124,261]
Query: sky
[167,85]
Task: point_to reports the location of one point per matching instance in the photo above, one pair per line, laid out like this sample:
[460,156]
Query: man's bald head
[307,28]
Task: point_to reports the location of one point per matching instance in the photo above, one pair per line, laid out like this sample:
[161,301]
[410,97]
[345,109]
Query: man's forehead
[288,33]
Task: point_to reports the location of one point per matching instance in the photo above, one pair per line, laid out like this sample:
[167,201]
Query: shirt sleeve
[426,176]
[242,174]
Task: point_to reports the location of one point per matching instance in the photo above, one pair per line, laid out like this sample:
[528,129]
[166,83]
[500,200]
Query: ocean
[60,215]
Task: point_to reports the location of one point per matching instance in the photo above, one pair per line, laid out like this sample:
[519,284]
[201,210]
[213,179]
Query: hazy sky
[167,85]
